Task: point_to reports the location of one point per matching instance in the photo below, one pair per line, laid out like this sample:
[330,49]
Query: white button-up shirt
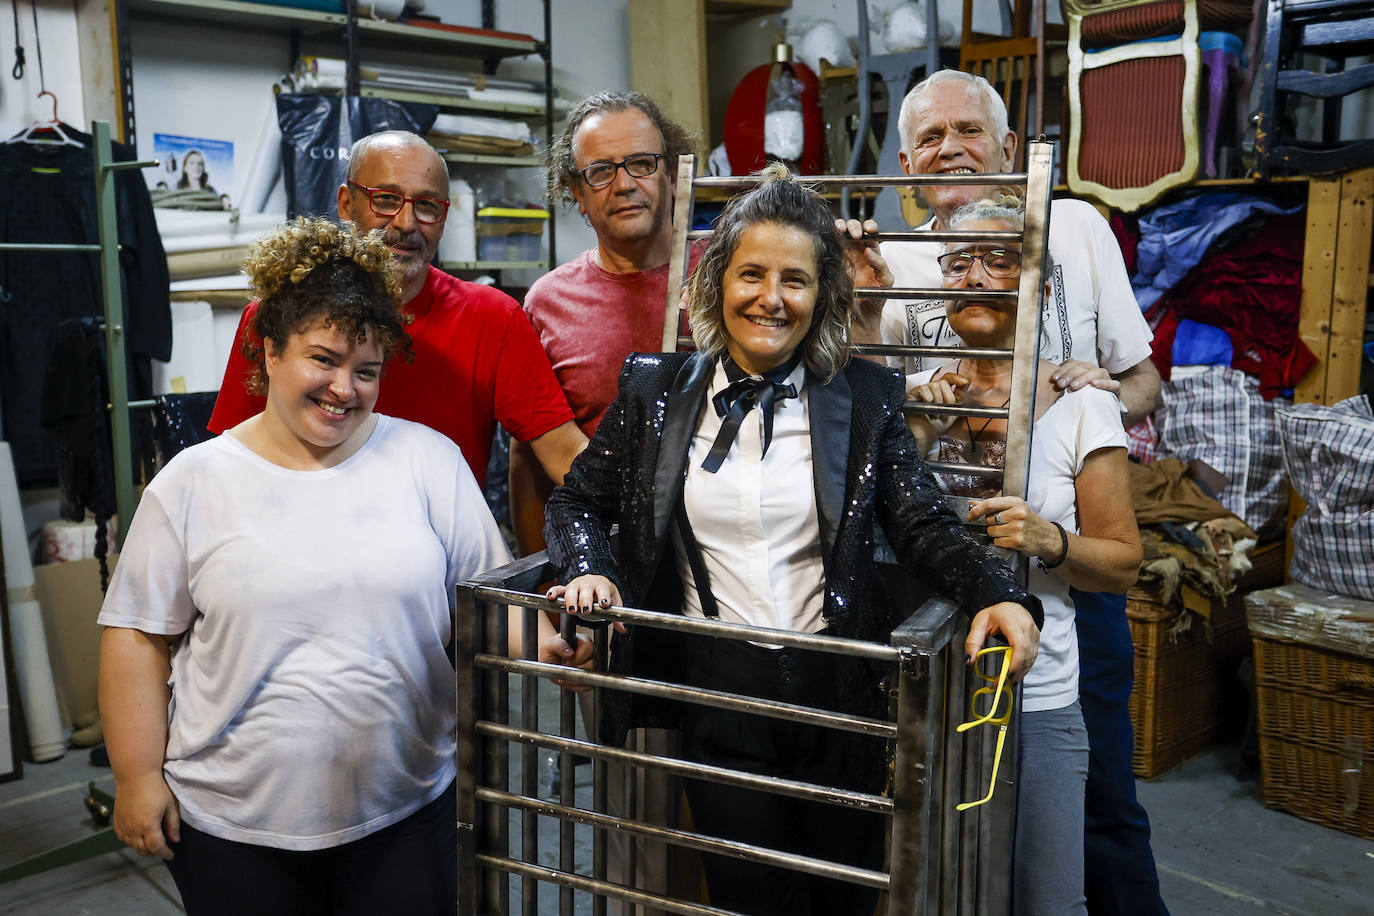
[755,519]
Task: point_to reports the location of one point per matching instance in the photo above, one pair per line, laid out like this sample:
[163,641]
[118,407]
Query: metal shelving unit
[355,32]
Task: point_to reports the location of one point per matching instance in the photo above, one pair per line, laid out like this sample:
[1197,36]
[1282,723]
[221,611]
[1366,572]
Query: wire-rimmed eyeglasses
[1000,263]
[428,210]
[640,165]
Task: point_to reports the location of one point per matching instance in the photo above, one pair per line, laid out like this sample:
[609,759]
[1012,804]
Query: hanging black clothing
[75,391]
[47,195]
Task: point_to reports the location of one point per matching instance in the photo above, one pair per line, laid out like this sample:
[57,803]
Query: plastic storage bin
[505,234]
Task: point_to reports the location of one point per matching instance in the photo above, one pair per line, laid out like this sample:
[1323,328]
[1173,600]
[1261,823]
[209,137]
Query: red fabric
[1132,122]
[1254,292]
[477,362]
[590,319]
[1126,228]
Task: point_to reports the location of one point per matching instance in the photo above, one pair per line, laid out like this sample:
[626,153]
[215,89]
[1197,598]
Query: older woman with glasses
[748,480]
[1076,524]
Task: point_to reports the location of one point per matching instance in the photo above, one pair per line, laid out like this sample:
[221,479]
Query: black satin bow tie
[735,401]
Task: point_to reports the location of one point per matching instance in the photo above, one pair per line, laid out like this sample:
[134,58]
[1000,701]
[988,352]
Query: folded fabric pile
[1194,546]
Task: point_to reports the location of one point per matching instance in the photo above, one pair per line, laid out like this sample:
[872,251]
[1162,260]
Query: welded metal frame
[922,651]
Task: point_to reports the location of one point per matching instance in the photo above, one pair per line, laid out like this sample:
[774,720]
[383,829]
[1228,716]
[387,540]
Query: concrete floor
[1219,850]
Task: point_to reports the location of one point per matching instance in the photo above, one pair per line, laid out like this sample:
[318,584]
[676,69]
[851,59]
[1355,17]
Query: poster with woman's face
[190,164]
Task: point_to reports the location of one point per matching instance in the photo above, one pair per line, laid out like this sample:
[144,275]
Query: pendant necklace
[972,451]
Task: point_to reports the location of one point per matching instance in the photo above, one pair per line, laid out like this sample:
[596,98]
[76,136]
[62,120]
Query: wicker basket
[1316,722]
[1187,696]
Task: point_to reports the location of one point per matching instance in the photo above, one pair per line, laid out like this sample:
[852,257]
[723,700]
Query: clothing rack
[108,248]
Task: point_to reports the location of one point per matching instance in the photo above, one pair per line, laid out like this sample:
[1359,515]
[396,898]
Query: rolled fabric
[32,670]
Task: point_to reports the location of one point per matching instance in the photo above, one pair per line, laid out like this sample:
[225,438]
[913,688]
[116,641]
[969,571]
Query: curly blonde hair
[314,271]
[781,200]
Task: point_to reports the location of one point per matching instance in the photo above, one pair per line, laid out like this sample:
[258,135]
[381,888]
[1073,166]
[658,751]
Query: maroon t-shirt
[477,362]
[590,319]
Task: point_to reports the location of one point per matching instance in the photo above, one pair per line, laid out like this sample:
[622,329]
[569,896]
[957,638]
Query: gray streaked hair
[561,158]
[778,200]
[992,102]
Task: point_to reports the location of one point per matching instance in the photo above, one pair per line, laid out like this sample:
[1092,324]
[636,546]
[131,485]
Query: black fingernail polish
[968,659]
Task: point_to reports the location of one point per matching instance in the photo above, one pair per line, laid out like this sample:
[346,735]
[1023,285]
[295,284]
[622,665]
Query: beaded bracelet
[1063,550]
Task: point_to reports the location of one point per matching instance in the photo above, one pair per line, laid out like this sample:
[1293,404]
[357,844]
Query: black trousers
[775,747]
[410,867]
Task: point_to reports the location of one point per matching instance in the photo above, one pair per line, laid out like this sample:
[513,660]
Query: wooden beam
[1318,279]
[95,38]
[1350,289]
[668,61]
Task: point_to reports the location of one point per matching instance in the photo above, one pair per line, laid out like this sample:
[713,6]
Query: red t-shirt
[590,319]
[477,362]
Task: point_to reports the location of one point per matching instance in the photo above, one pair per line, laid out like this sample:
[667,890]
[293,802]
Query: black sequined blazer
[867,471]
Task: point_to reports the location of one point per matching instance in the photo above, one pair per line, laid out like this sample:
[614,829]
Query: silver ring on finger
[997,518]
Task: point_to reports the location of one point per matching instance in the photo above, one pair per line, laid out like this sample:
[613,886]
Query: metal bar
[987,179]
[546,51]
[45,246]
[926,292]
[968,470]
[792,788]
[567,786]
[529,761]
[67,854]
[718,699]
[1025,366]
[702,627]
[666,904]
[955,410]
[126,500]
[987,235]
[142,164]
[700,841]
[933,352]
[679,258]
[495,703]
[911,791]
[599,776]
[467,690]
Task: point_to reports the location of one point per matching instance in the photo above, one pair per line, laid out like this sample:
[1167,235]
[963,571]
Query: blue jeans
[1120,876]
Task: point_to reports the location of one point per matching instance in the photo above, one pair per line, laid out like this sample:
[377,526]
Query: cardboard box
[70,596]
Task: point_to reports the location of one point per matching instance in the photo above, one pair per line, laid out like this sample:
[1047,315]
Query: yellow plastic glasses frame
[998,689]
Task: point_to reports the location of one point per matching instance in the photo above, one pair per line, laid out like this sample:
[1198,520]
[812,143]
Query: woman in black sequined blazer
[769,307]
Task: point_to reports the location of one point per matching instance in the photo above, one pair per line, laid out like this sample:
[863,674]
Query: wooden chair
[1015,63]
[1133,94]
[1334,30]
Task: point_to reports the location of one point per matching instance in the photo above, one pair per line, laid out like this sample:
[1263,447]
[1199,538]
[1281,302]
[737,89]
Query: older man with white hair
[955,123]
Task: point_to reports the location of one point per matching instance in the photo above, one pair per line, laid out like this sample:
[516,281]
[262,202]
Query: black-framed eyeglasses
[999,262]
[640,165]
[388,203]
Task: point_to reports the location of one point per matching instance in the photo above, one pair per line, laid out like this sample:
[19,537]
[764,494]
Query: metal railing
[931,848]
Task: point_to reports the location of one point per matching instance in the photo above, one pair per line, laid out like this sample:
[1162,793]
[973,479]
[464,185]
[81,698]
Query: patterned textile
[1144,441]
[1219,416]
[1329,454]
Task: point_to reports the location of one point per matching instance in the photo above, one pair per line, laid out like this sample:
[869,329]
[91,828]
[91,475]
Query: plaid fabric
[1143,444]
[1218,415]
[1329,453]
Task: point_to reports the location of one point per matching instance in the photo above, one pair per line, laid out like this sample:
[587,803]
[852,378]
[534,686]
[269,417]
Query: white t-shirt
[1075,426]
[755,519]
[312,701]
[1090,315]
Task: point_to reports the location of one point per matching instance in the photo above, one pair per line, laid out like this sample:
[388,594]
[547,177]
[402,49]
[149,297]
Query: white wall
[19,102]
